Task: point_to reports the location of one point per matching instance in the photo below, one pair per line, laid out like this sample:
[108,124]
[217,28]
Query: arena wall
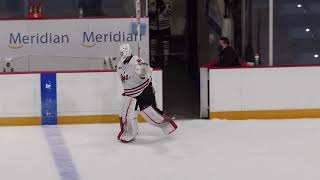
[82,97]
[264,93]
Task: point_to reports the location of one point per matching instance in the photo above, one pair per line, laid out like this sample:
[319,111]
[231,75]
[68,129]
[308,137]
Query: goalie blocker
[138,94]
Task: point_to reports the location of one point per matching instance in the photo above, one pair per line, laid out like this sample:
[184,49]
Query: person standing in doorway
[160,31]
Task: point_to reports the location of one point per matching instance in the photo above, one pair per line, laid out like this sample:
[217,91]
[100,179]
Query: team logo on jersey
[124,77]
[139,61]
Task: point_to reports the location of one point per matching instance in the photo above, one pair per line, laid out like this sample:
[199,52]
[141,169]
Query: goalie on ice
[135,75]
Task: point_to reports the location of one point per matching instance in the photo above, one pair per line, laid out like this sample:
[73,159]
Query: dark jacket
[228,58]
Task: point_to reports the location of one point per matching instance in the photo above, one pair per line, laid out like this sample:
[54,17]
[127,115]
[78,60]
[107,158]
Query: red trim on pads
[121,129]
[126,120]
[173,124]
[151,118]
[122,124]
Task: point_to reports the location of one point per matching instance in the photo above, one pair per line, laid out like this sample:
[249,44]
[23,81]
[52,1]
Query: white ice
[199,150]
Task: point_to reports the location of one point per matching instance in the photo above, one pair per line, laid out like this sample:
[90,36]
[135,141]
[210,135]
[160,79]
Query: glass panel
[72,8]
[60,8]
[297,32]
[12,8]
[256,29]
[214,18]
[163,33]
[118,8]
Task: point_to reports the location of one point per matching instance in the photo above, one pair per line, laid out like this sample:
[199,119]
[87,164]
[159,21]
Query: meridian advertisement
[88,38]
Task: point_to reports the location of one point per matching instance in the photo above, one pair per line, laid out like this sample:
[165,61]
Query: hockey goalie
[138,95]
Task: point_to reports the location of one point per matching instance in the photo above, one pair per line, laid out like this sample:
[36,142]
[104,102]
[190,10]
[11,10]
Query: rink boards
[80,97]
[260,93]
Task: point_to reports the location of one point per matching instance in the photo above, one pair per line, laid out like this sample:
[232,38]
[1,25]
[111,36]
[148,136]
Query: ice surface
[199,150]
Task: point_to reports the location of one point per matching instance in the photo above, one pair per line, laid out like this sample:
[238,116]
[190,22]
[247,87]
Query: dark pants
[147,98]
[159,47]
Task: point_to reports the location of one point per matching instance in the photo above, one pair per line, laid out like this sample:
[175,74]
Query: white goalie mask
[125,51]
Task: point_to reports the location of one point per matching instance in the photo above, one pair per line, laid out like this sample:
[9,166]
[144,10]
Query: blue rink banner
[48,99]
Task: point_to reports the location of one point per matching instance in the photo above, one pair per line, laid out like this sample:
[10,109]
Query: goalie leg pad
[128,120]
[169,127]
[152,116]
[155,118]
